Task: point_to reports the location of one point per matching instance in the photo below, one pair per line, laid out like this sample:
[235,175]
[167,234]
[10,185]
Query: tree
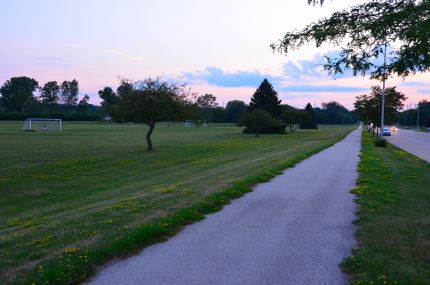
[368,107]
[334,113]
[234,110]
[110,99]
[410,117]
[83,104]
[293,118]
[108,96]
[69,93]
[17,93]
[266,98]
[218,115]
[310,122]
[50,94]
[150,101]
[258,120]
[207,103]
[365,29]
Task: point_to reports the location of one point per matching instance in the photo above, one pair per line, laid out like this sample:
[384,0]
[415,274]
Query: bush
[381,142]
[260,122]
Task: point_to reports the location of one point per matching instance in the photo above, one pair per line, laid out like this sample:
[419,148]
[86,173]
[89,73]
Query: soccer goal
[46,125]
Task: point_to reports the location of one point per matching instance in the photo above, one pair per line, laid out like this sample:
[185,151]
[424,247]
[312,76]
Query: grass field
[74,199]
[394,218]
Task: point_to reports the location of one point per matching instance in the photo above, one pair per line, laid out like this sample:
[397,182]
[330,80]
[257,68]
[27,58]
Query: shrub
[260,122]
[381,142]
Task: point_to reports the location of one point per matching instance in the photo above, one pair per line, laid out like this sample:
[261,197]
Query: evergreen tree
[311,121]
[266,98]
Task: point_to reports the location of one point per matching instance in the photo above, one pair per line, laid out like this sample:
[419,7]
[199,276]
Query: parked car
[386,132]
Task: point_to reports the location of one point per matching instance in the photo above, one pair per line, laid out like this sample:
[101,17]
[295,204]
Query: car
[394,129]
[386,132]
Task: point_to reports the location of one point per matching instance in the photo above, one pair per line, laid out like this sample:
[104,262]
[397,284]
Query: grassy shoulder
[393,229]
[74,200]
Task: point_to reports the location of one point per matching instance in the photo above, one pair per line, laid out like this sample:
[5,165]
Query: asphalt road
[417,143]
[296,229]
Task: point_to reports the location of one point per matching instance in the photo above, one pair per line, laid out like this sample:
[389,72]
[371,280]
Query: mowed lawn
[94,183]
[394,218]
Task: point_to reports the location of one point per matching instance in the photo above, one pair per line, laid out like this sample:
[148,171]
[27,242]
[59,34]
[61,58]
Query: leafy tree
[266,98]
[409,117]
[218,115]
[207,103]
[310,122]
[293,118]
[368,107]
[50,94]
[334,113]
[364,29]
[234,110]
[150,101]
[258,121]
[69,93]
[83,104]
[17,93]
[108,96]
[110,99]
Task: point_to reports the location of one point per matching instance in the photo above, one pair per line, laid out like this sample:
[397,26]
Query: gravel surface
[295,229]
[417,143]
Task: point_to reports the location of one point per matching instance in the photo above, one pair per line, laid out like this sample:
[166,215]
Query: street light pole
[418,116]
[383,88]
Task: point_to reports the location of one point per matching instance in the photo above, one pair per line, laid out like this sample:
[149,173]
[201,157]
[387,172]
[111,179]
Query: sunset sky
[218,47]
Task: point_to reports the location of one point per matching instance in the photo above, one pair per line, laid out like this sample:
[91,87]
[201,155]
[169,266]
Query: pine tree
[311,121]
[266,98]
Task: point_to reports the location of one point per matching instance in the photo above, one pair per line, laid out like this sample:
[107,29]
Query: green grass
[73,200]
[393,229]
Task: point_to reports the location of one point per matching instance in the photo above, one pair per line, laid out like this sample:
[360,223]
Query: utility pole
[418,116]
[383,87]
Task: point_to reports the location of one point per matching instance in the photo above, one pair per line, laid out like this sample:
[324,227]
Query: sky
[219,47]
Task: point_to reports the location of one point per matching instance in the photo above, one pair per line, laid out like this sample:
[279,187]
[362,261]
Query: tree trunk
[148,136]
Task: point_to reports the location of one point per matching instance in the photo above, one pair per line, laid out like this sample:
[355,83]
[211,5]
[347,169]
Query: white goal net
[46,125]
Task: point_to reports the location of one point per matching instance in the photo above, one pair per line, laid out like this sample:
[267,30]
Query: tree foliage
[150,101]
[258,121]
[17,93]
[365,29]
[410,117]
[69,93]
[334,113]
[50,93]
[310,121]
[368,107]
[293,118]
[234,110]
[266,98]
[208,106]
[83,104]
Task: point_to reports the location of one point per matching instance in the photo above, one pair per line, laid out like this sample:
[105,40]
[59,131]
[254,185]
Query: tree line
[411,117]
[18,94]
[368,108]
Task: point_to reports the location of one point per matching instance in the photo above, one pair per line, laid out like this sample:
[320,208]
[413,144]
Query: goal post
[41,124]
